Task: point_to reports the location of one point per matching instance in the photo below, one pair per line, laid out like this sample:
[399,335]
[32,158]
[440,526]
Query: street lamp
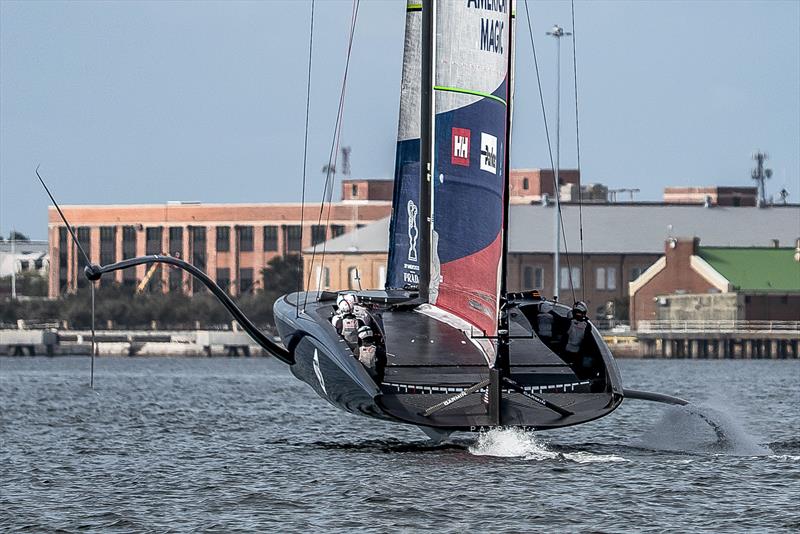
[557,32]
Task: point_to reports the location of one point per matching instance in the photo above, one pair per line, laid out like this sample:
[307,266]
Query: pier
[719,339]
[50,340]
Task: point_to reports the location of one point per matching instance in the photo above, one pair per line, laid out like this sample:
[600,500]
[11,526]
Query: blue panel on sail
[404,242]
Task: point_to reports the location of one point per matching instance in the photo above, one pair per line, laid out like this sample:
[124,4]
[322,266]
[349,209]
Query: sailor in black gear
[544,322]
[368,350]
[577,331]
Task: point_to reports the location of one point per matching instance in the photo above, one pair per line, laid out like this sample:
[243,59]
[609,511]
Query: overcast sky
[134,102]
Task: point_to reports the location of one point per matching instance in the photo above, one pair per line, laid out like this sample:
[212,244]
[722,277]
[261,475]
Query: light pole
[557,32]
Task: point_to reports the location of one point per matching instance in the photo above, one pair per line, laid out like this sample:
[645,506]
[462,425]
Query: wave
[701,429]
[516,443]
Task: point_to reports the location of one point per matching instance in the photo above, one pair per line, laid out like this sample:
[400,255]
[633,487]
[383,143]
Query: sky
[146,102]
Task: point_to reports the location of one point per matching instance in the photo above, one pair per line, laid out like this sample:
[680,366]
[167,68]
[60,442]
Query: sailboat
[458,352]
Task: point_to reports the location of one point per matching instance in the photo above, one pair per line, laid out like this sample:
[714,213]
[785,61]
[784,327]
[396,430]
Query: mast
[502,361]
[427,138]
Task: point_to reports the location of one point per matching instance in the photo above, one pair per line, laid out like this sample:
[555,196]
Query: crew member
[345,321]
[577,330]
[544,322]
[368,350]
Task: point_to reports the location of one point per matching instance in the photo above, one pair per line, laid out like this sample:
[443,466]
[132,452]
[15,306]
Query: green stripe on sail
[469,92]
[414,7]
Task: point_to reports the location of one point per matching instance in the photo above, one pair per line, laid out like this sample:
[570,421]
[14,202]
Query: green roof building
[694,283]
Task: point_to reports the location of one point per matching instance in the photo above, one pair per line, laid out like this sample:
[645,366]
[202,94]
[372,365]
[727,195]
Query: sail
[404,229]
[471,100]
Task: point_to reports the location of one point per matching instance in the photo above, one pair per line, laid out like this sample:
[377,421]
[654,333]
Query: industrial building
[233,243]
[621,241]
[698,283]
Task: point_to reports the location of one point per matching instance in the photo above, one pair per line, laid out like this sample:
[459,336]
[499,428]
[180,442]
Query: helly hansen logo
[488,153]
[460,154]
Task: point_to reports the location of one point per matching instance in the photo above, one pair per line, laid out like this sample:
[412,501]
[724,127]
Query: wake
[701,429]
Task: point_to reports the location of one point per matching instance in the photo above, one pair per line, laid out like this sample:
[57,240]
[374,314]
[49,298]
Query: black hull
[429,362]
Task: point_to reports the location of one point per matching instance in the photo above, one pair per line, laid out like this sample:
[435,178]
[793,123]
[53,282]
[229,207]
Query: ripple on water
[169,444]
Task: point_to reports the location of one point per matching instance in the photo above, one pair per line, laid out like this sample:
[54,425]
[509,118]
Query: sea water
[240,445]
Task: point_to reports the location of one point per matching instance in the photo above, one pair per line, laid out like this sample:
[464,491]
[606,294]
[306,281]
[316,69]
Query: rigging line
[63,218]
[578,148]
[305,156]
[550,153]
[356,5]
[333,156]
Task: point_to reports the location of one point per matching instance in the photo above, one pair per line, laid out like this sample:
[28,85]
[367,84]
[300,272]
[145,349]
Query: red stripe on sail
[469,287]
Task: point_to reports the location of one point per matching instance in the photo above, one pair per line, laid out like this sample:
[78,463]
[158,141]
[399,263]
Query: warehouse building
[233,243]
[621,241]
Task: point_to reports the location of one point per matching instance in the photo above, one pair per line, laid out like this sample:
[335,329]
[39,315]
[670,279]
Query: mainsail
[404,230]
[471,82]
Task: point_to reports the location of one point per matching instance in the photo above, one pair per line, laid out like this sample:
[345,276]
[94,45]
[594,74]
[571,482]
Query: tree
[283,274]
[17,236]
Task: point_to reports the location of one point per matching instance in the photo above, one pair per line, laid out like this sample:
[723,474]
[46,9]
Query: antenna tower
[761,175]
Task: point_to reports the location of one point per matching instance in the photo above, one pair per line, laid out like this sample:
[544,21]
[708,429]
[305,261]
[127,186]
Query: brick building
[621,241]
[715,195]
[693,282]
[530,185]
[230,242]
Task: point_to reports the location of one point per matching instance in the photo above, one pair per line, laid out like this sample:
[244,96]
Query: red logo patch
[460,154]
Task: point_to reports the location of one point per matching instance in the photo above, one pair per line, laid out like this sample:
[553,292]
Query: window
[353,278]
[270,239]
[636,272]
[223,238]
[153,245]
[317,234]
[337,230]
[175,280]
[153,240]
[62,259]
[108,246]
[245,238]
[564,283]
[224,278]
[23,265]
[38,264]
[611,278]
[197,235]
[84,238]
[606,278]
[176,241]
[600,278]
[532,277]
[292,238]
[323,278]
[354,191]
[527,277]
[128,251]
[245,281]
[525,184]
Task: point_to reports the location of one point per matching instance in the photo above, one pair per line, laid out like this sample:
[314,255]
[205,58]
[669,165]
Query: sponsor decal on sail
[413,231]
[488,153]
[460,152]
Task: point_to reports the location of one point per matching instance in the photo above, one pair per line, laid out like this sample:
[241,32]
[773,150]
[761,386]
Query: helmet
[580,307]
[345,306]
[364,332]
[351,298]
[546,307]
